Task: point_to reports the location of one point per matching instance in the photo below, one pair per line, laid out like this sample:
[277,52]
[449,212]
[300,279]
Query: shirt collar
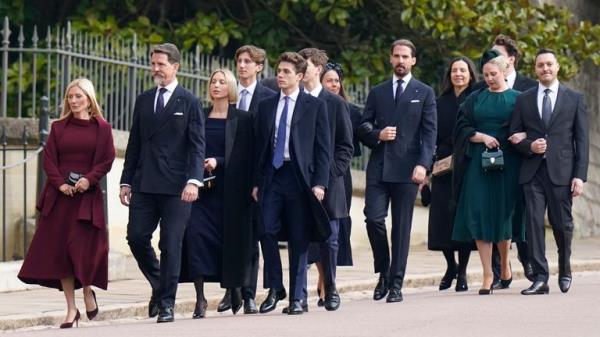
[510,79]
[250,88]
[293,96]
[405,78]
[553,88]
[171,86]
[316,91]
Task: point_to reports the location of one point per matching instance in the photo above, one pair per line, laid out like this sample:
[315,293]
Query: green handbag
[492,160]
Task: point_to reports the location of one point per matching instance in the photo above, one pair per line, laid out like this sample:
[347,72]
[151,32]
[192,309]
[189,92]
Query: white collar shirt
[395,79]
[250,93]
[553,95]
[167,95]
[293,97]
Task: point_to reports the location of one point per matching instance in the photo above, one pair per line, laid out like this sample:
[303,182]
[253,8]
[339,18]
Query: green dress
[490,205]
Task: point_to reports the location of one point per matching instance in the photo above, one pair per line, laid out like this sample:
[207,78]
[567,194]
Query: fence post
[67,58]
[25,144]
[43,130]
[4,144]
[5,42]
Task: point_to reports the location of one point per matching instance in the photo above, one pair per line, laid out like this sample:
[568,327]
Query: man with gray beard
[162,172]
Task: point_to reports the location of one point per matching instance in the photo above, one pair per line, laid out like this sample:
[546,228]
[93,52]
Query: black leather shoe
[296,308]
[496,284]
[225,303]
[447,279]
[270,302]
[484,291]
[165,315]
[380,289]
[395,295]
[200,309]
[461,283]
[250,307]
[320,302]
[528,271]
[236,300]
[537,288]
[505,284]
[152,309]
[332,300]
[564,283]
[303,304]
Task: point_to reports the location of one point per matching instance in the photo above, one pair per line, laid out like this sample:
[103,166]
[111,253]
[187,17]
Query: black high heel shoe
[320,302]
[461,283]
[92,314]
[200,309]
[484,291]
[504,284]
[75,321]
[446,281]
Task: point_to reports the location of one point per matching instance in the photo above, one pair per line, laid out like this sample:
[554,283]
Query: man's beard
[159,80]
[400,71]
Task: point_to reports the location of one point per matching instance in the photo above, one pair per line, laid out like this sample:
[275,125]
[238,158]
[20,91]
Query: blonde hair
[88,89]
[500,62]
[231,84]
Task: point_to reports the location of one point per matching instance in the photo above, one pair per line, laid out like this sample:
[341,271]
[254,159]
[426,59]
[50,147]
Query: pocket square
[415,101]
[178,114]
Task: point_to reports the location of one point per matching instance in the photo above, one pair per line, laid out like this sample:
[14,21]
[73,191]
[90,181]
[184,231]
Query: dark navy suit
[390,168]
[285,194]
[260,92]
[164,151]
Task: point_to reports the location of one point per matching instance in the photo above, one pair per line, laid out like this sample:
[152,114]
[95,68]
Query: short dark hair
[168,49]
[318,57]
[545,51]
[510,45]
[447,82]
[406,43]
[257,55]
[294,58]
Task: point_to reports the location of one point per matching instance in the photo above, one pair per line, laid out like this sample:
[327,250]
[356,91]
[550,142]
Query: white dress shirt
[316,91]
[553,94]
[293,97]
[404,84]
[167,95]
[510,79]
[250,92]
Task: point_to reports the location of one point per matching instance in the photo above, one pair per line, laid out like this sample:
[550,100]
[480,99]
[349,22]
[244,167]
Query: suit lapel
[534,109]
[388,96]
[402,106]
[561,97]
[230,131]
[168,113]
[299,108]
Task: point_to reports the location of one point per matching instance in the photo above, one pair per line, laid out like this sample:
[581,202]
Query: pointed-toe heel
[75,322]
[92,314]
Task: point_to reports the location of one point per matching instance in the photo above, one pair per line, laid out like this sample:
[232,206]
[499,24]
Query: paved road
[424,312]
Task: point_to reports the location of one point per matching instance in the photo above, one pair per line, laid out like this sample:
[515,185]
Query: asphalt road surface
[424,312]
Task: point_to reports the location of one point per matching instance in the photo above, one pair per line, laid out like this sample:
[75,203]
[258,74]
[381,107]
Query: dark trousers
[522,251]
[541,193]
[328,251]
[285,203]
[145,212]
[377,198]
[249,292]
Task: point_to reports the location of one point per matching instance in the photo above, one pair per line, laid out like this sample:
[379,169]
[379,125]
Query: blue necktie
[281,131]
[160,102]
[243,105]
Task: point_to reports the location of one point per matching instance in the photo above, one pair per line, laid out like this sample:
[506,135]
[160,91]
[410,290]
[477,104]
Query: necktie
[243,105]
[399,91]
[546,107]
[281,131]
[160,102]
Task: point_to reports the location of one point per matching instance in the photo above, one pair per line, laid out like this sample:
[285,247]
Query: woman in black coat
[218,239]
[458,81]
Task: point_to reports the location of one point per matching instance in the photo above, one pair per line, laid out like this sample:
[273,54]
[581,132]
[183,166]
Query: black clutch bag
[72,178]
[492,160]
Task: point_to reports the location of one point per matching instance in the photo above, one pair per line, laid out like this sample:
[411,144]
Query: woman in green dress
[490,203]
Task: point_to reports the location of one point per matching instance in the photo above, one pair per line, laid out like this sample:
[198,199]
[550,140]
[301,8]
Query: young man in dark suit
[250,61]
[162,172]
[292,173]
[509,49]
[399,125]
[341,150]
[554,168]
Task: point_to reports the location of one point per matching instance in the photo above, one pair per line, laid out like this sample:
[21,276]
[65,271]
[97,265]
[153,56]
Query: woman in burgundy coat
[70,247]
